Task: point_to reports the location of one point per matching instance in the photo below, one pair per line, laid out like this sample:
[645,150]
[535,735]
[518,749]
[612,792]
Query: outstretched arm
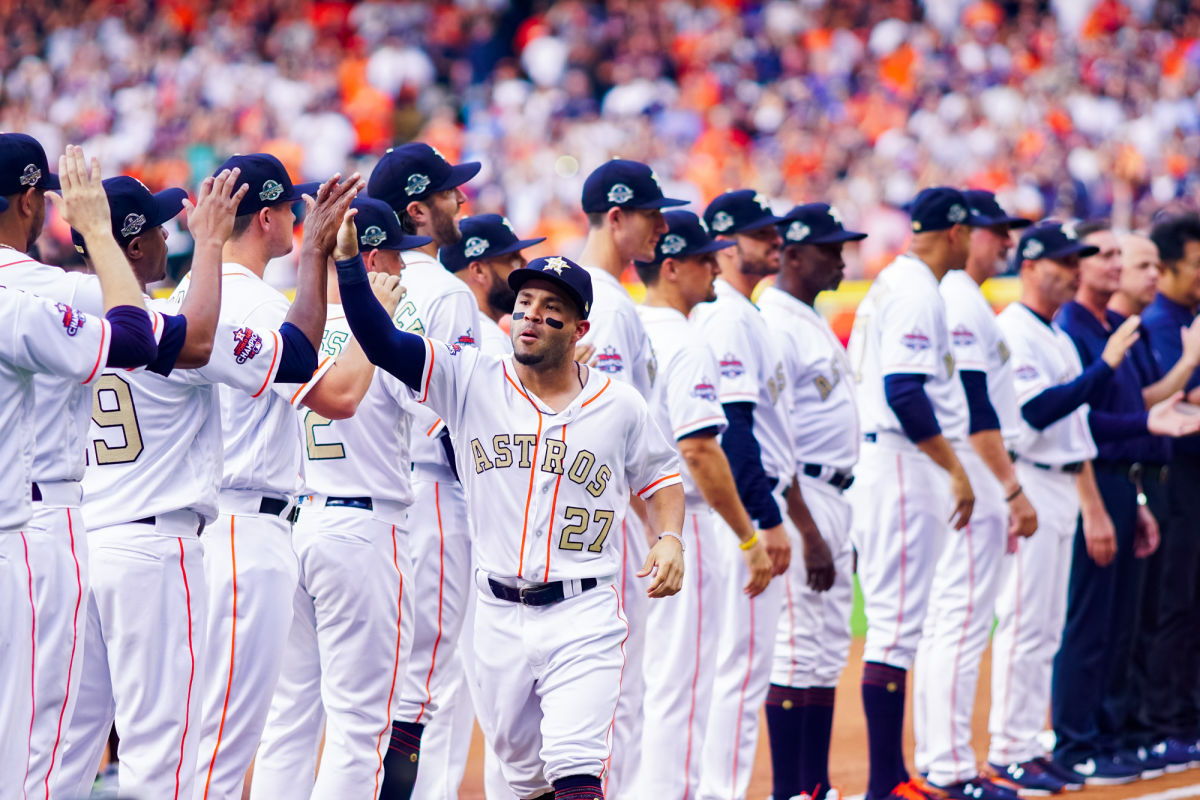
[399,352]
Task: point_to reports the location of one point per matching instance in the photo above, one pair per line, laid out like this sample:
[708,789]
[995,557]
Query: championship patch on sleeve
[705,391]
[454,348]
[609,360]
[915,340]
[467,339]
[72,320]
[962,336]
[731,366]
[1026,372]
[246,345]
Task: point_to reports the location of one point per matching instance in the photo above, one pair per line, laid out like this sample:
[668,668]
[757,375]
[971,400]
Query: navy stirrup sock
[786,709]
[883,701]
[400,764]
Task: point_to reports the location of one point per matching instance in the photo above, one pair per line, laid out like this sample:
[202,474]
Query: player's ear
[264,218]
[581,329]
[368,257]
[30,199]
[477,273]
[417,211]
[134,249]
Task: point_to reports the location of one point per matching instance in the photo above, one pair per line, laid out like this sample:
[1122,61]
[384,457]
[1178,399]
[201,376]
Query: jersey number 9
[112,407]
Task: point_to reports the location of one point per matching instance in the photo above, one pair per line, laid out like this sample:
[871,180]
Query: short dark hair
[1172,234]
[406,222]
[241,223]
[596,218]
[1086,229]
[648,271]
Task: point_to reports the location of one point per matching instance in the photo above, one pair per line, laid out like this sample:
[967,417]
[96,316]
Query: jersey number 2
[112,407]
[320,451]
[577,519]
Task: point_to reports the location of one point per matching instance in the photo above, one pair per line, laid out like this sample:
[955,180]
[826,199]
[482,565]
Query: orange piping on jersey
[304,385]
[608,739]
[553,509]
[187,708]
[607,381]
[657,482]
[532,469]
[271,371]
[433,427]
[100,355]
[22,261]
[428,370]
[232,643]
[62,712]
[154,315]
[395,662]
[437,502]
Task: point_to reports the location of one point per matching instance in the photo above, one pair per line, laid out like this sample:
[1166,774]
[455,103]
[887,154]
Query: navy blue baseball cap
[379,227]
[562,272]
[816,223]
[736,212]
[986,212]
[414,171]
[686,236]
[624,184]
[134,209]
[1051,239]
[269,182]
[483,236]
[23,165]
[939,208]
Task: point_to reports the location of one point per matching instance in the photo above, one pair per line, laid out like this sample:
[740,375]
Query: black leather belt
[350,502]
[838,480]
[1074,468]
[154,521]
[541,594]
[274,506]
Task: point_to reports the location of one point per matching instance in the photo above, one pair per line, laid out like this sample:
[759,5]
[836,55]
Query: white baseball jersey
[900,327]
[544,489]
[978,344]
[684,399]
[751,371]
[1043,356]
[63,407]
[440,306]
[492,338]
[825,429]
[38,336]
[623,350]
[261,433]
[367,454]
[156,442]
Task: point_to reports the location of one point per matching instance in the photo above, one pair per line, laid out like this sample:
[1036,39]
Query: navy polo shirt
[1123,394]
[1163,318]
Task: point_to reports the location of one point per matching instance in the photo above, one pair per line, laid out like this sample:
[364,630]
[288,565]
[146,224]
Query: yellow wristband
[753,540]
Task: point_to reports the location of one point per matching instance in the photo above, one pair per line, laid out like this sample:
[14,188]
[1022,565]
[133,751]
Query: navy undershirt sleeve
[400,353]
[297,357]
[170,344]
[133,342]
[711,430]
[905,393]
[448,448]
[1058,401]
[979,405]
[745,461]
[1108,426]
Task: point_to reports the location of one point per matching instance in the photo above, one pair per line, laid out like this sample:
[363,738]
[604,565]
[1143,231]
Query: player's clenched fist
[665,563]
[387,289]
[83,203]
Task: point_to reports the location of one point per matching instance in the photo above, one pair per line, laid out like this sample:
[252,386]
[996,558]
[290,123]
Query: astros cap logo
[556,264]
[133,224]
[476,247]
[417,183]
[31,175]
[271,190]
[373,236]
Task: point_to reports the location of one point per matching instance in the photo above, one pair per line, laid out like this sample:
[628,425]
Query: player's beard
[555,353]
[500,295]
[445,231]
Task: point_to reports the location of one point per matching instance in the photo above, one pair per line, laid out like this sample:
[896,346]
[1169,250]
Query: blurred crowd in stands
[1076,108]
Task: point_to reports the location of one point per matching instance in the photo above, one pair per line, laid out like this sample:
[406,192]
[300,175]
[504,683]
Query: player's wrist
[677,536]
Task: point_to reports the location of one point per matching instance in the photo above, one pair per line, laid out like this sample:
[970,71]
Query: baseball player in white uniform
[549,630]
[752,390]
[54,541]
[150,490]
[959,620]
[813,638]
[352,629]
[482,258]
[623,203]
[909,481]
[680,668]
[38,336]
[249,565]
[423,189]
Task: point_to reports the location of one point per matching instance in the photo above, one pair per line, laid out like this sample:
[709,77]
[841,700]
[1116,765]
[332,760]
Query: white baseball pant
[680,666]
[548,679]
[957,628]
[902,502]
[745,654]
[345,655]
[16,679]
[58,574]
[813,640]
[143,660]
[1031,610]
[627,729]
[251,574]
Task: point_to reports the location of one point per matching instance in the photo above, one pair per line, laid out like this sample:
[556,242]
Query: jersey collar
[604,276]
[772,296]
[597,383]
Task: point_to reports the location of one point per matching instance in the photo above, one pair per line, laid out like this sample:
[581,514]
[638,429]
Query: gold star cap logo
[556,265]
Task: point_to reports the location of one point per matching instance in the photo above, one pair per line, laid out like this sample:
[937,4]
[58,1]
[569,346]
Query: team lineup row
[239,524]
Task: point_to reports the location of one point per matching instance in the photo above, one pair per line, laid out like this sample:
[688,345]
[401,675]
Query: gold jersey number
[112,407]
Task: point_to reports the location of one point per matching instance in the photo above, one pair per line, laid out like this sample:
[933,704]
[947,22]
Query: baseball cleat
[913,790]
[978,788]
[1106,771]
[1071,781]
[1150,763]
[1028,779]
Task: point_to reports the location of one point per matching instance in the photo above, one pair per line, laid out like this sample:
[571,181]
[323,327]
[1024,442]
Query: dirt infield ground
[849,759]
